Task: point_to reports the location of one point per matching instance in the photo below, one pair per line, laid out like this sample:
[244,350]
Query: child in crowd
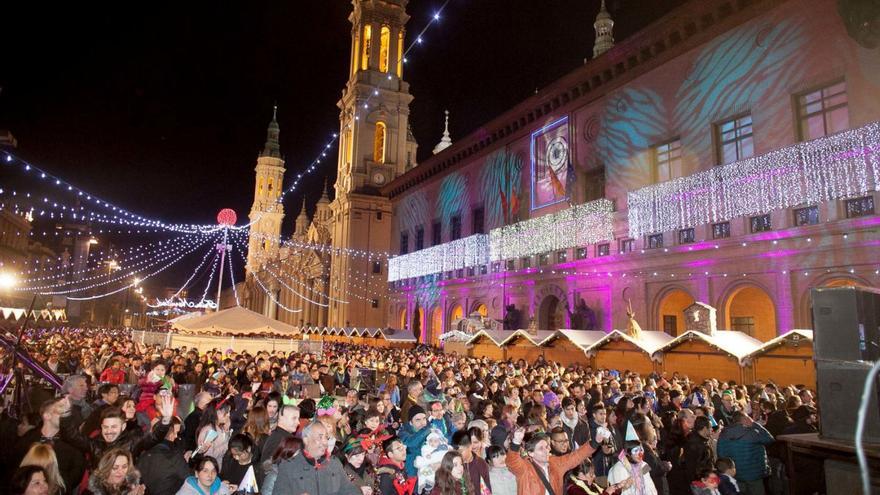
[727,473]
[429,461]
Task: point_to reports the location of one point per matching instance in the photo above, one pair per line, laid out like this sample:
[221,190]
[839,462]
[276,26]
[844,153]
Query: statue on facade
[583,318]
[512,317]
[633,328]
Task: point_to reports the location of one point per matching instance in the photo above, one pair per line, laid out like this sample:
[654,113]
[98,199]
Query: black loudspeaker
[840,387]
[847,324]
[846,343]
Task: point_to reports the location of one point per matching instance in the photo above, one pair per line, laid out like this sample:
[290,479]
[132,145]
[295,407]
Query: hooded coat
[746,446]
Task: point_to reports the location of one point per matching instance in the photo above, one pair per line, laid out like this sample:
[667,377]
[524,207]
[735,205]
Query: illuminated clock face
[378,178]
[557,154]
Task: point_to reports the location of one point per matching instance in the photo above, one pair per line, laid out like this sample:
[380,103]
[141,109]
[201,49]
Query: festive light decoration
[462,253]
[175,302]
[579,225]
[842,165]
[232,278]
[214,265]
[227,217]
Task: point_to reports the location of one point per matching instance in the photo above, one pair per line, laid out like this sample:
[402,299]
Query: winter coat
[393,479]
[503,481]
[298,475]
[528,481]
[697,455]
[191,487]
[366,478]
[98,487]
[745,445]
[163,469]
[413,441]
[133,440]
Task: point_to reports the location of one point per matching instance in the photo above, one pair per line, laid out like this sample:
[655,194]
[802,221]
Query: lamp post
[225,218]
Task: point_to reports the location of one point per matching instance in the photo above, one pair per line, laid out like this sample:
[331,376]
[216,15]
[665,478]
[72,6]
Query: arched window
[379,143]
[260,186]
[269,185]
[348,147]
[365,48]
[355,51]
[384,48]
[400,54]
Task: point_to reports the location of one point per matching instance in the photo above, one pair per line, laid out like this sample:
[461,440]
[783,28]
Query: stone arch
[456,311]
[418,324]
[401,319]
[669,306]
[436,325]
[748,307]
[548,313]
[834,279]
[481,308]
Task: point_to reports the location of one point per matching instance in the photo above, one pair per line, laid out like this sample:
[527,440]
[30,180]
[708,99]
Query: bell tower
[375,146]
[266,212]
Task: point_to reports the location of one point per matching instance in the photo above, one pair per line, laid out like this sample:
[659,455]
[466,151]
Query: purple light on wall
[699,263]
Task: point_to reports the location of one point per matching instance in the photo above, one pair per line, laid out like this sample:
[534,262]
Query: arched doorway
[549,317]
[455,314]
[670,311]
[436,325]
[417,324]
[750,310]
[402,319]
[482,309]
[842,282]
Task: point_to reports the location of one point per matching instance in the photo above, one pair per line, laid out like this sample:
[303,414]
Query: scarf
[571,423]
[318,463]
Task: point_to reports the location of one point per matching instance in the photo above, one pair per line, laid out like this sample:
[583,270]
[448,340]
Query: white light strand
[214,265]
[458,254]
[198,268]
[232,278]
[272,296]
[842,165]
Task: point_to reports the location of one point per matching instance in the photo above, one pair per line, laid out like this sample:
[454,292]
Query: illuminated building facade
[727,154]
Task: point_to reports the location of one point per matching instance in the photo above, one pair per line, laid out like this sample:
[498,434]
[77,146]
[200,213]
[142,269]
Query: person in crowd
[239,460]
[214,430]
[413,434]
[698,453]
[43,455]
[451,478]
[706,483]
[76,388]
[391,471]
[288,448]
[577,430]
[805,420]
[582,481]
[191,423]
[358,468]
[539,472]
[502,431]
[288,424]
[113,373]
[205,479]
[29,480]
[744,442]
[314,471]
[108,394]
[724,414]
[257,428]
[163,467]
[477,469]
[559,444]
[440,419]
[414,391]
[502,480]
[71,462]
[631,476]
[115,475]
[726,469]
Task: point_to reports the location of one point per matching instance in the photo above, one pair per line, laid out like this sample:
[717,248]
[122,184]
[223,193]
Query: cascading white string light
[232,279]
[272,296]
[842,165]
[214,265]
[198,268]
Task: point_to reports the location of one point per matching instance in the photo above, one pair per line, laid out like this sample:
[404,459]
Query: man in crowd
[559,443]
[288,423]
[414,391]
[391,472]
[191,423]
[314,471]
[71,462]
[474,466]
[163,467]
[577,430]
[539,472]
[413,434]
[744,441]
[698,452]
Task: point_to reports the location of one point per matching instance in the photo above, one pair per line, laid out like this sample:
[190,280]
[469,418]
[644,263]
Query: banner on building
[551,160]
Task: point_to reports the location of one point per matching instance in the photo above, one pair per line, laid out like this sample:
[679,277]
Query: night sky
[163,109]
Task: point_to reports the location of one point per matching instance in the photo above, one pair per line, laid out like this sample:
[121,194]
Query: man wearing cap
[414,434]
[744,441]
[724,414]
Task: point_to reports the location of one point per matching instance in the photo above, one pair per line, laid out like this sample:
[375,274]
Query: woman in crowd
[582,481]
[359,470]
[450,478]
[115,475]
[257,428]
[273,403]
[205,479]
[29,480]
[502,480]
[391,387]
[285,451]
[43,455]
[213,433]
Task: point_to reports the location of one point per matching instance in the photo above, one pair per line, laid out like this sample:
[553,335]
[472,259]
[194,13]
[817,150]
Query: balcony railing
[842,165]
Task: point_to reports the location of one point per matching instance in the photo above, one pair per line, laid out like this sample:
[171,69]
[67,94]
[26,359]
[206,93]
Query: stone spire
[272,148]
[445,141]
[603,26]
[324,198]
[302,221]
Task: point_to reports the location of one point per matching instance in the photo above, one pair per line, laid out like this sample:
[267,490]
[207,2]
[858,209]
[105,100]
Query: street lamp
[7,280]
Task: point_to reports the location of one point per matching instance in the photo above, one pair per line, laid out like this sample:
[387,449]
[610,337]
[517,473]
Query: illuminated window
[260,186]
[859,207]
[379,143]
[269,185]
[735,140]
[667,161]
[823,111]
[580,253]
[686,236]
[806,216]
[561,256]
[384,48]
[348,147]
[400,54]
[655,241]
[603,249]
[355,51]
[721,230]
[365,48]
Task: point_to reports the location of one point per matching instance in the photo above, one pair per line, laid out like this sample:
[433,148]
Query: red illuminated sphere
[226,217]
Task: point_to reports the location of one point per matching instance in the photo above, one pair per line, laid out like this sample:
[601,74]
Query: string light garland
[183,287]
[272,296]
[458,254]
[232,278]
[214,265]
[579,225]
[842,165]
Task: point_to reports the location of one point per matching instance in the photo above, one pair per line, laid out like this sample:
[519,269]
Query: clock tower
[375,146]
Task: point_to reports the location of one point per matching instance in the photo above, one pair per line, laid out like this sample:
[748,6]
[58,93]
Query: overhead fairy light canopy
[842,165]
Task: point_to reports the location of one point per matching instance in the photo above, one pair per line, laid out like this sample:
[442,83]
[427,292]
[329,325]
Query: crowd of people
[357,420]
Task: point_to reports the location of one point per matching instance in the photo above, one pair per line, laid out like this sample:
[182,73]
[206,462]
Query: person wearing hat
[745,442]
[356,465]
[413,434]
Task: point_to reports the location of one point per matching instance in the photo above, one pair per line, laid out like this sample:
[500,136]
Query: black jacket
[577,436]
[163,469]
[71,462]
[697,455]
[133,440]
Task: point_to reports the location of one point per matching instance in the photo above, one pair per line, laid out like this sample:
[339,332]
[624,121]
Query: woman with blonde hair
[43,455]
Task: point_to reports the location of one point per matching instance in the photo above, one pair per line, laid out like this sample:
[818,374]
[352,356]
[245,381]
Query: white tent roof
[735,343]
[581,338]
[534,339]
[235,320]
[648,341]
[794,335]
[496,336]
